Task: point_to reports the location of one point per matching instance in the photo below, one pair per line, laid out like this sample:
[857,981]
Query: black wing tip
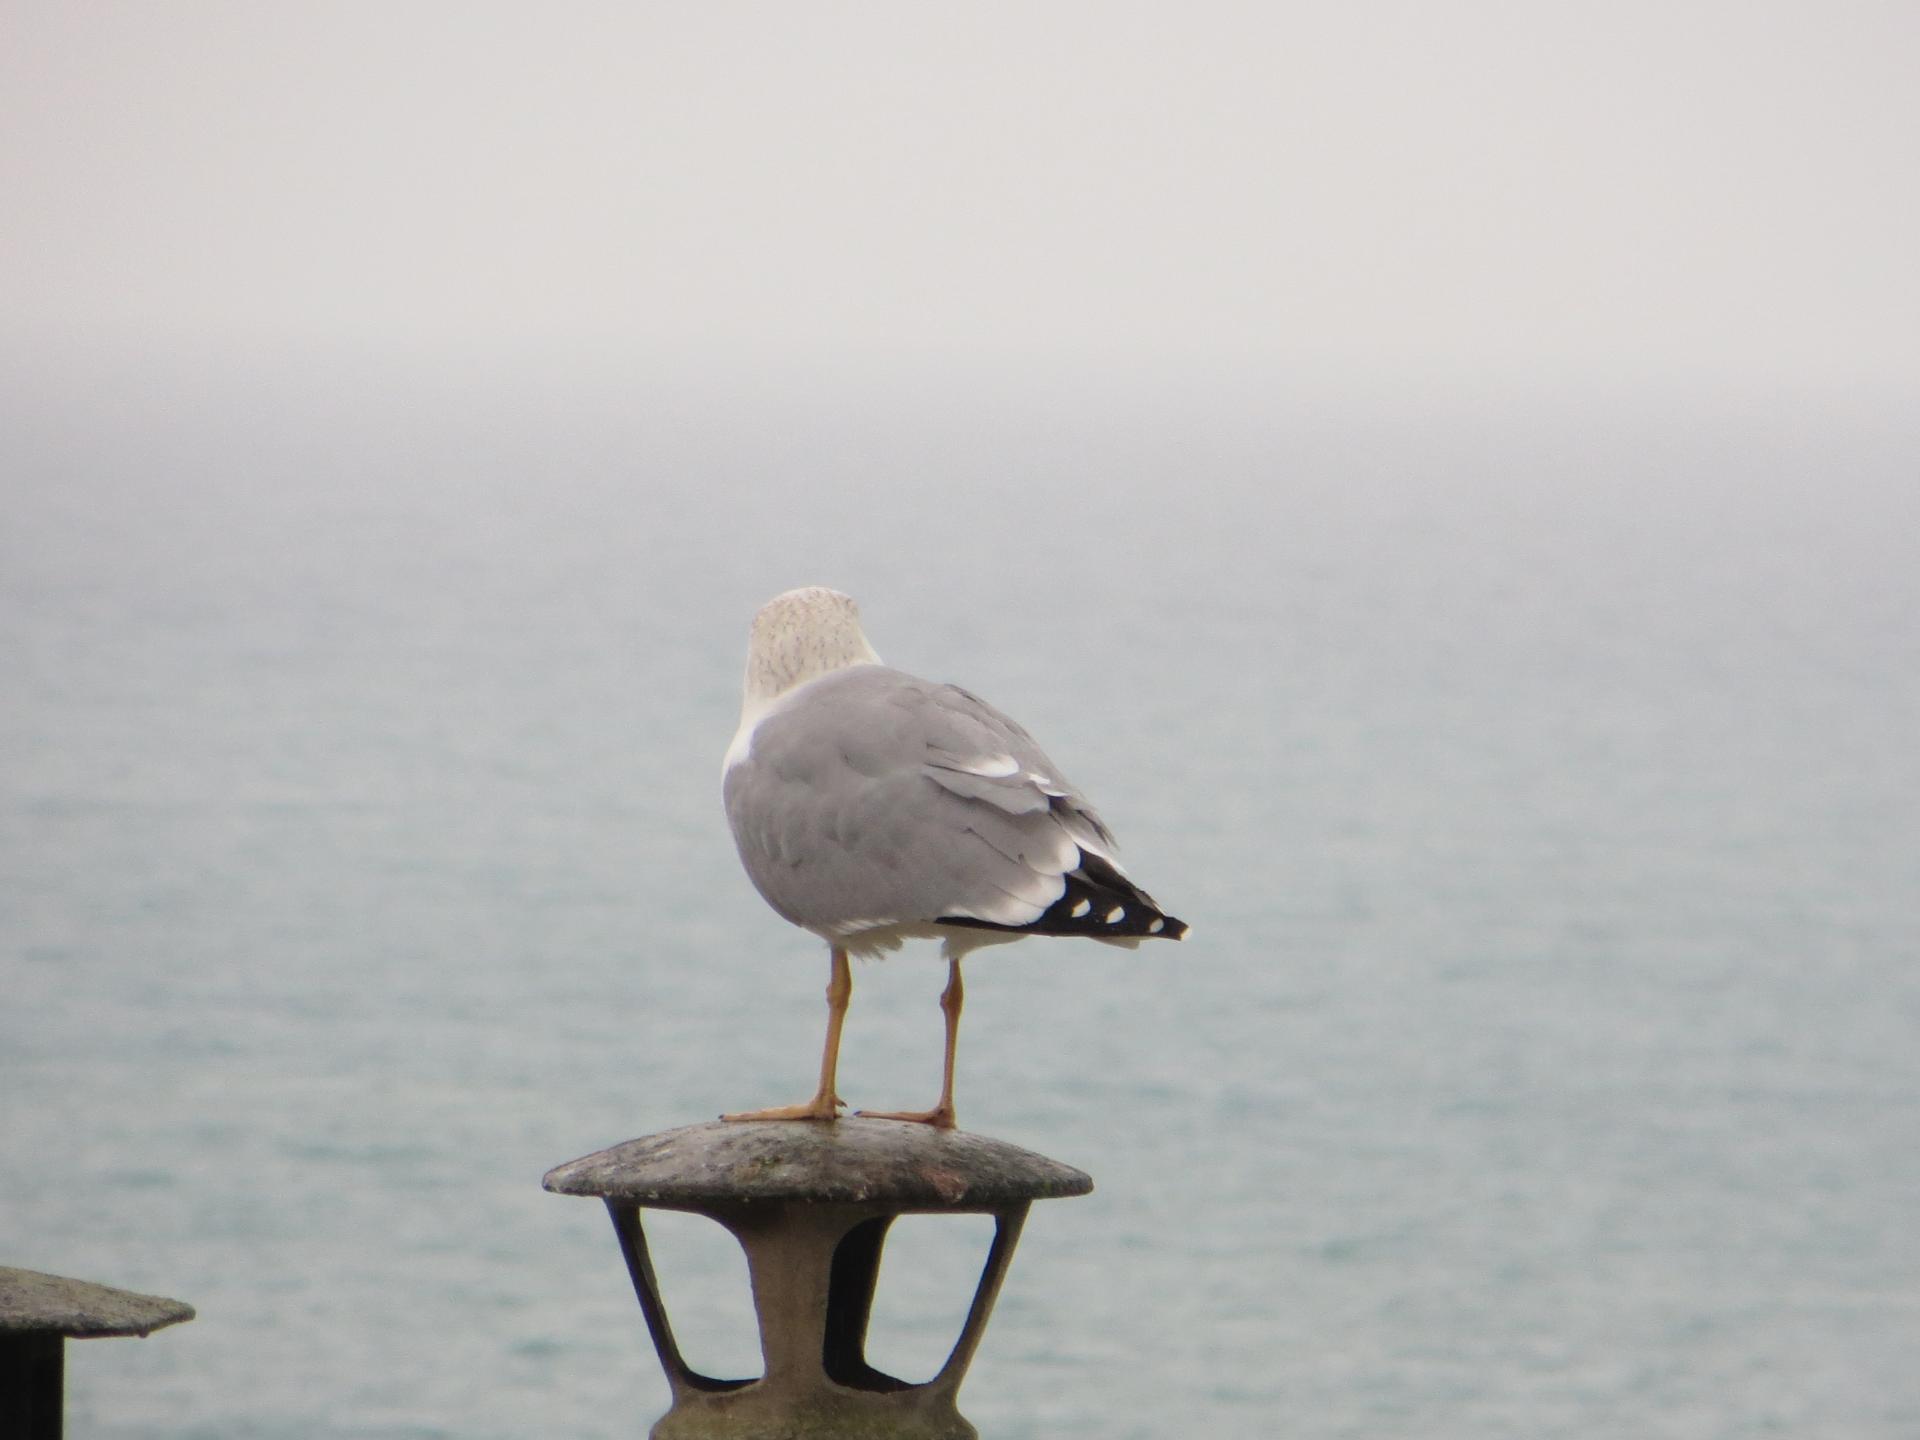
[1099,902]
[1144,925]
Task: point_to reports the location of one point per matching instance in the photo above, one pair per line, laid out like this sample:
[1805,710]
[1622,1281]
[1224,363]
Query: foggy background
[1444,479]
[1709,196]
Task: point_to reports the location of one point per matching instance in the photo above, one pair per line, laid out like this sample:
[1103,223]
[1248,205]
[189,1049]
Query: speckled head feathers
[799,636]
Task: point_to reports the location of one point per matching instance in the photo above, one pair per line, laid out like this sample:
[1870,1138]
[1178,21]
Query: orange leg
[825,1104]
[941,1116]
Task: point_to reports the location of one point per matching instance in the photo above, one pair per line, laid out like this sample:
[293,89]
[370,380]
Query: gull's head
[799,636]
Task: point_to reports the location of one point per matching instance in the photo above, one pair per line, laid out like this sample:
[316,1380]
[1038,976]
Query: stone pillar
[38,1315]
[810,1203]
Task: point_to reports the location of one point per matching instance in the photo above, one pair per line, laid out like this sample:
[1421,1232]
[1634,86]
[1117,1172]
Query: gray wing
[871,797]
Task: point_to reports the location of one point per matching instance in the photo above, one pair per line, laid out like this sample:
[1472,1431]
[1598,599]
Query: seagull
[871,807]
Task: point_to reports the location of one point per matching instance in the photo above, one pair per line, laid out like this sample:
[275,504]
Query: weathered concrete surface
[892,1164]
[78,1309]
[810,1203]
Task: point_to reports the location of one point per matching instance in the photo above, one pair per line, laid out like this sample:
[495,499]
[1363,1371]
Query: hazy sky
[1715,194]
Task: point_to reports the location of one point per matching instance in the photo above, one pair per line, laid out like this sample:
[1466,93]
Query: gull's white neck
[796,637]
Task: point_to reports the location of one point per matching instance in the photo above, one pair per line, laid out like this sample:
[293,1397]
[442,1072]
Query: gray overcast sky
[1718,194]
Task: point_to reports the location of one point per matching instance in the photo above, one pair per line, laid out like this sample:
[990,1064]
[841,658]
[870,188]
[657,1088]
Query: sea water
[1540,781]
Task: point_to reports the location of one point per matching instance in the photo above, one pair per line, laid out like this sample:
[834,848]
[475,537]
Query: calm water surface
[1541,785]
